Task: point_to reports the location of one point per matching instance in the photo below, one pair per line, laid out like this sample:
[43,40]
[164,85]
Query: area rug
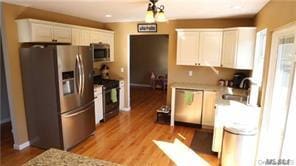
[54,157]
[202,142]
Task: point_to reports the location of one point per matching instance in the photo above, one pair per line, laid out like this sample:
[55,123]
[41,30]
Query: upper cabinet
[199,47]
[238,48]
[231,48]
[38,31]
[187,48]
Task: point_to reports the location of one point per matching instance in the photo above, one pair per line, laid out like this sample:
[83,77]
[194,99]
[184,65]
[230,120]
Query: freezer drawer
[78,125]
[185,112]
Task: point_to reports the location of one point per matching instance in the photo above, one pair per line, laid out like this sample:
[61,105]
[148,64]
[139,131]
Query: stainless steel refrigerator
[58,94]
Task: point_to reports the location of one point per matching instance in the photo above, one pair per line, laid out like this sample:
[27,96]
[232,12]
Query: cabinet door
[210,48]
[76,37]
[85,37]
[245,49]
[62,34]
[208,112]
[96,37]
[42,32]
[109,39]
[229,48]
[187,48]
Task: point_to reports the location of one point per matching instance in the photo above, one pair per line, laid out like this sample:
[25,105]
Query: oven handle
[109,90]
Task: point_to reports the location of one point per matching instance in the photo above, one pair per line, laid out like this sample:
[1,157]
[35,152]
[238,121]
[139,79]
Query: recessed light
[236,7]
[108,15]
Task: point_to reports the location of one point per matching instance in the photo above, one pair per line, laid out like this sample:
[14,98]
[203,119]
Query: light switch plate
[122,70]
[190,73]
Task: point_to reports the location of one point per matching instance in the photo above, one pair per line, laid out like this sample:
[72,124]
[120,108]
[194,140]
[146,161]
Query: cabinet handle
[198,64]
[195,64]
[221,65]
[54,40]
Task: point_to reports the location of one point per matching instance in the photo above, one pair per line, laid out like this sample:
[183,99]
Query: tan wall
[203,75]
[275,14]
[10,13]
[148,53]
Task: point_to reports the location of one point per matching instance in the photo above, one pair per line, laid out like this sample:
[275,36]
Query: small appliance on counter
[237,79]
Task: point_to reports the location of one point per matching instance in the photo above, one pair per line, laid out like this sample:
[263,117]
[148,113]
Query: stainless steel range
[110,96]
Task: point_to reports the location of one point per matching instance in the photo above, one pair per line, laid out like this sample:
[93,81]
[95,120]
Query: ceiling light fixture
[108,15]
[154,13]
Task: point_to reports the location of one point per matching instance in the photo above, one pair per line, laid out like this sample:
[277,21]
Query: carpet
[202,142]
[54,157]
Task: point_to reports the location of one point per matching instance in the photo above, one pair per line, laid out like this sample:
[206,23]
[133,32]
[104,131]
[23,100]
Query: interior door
[87,91]
[69,77]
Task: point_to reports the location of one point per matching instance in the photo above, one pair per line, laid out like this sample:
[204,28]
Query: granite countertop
[59,157]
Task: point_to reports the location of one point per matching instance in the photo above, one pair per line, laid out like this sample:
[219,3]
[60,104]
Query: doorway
[148,62]
[280,98]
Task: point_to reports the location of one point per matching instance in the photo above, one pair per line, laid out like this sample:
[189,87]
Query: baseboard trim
[126,109]
[5,120]
[140,85]
[21,146]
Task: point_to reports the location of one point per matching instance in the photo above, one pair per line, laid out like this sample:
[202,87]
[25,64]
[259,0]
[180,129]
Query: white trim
[126,109]
[5,120]
[21,146]
[140,85]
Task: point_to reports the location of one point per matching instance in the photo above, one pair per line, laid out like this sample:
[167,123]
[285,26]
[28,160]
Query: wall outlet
[190,73]
[122,70]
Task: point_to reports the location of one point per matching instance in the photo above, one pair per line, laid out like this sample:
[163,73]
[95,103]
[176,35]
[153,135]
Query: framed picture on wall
[145,27]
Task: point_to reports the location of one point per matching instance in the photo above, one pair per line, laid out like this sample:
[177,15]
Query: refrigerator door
[188,113]
[78,125]
[87,88]
[70,80]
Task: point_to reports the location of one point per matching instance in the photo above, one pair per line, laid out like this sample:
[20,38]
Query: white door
[62,34]
[229,48]
[187,48]
[210,48]
[277,123]
[42,32]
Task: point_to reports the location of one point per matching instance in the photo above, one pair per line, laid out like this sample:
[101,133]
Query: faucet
[245,79]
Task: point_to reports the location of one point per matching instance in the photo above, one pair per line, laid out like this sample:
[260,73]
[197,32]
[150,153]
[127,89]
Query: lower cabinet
[208,111]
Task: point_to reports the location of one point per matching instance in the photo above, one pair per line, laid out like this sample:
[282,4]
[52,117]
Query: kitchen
[189,72]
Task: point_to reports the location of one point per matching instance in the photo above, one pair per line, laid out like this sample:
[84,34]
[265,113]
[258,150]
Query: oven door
[101,53]
[111,107]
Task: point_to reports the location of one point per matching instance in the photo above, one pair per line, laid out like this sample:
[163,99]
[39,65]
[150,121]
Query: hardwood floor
[126,139]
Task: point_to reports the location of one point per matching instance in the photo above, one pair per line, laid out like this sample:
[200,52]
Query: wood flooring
[126,139]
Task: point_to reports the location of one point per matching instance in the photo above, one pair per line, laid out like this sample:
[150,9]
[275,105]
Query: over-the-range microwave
[100,51]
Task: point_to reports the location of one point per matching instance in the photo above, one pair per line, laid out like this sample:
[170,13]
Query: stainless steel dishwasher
[188,113]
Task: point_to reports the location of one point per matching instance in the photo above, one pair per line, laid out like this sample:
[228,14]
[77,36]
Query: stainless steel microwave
[100,51]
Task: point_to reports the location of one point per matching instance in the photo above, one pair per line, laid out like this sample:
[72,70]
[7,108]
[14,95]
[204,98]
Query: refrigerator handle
[82,74]
[79,73]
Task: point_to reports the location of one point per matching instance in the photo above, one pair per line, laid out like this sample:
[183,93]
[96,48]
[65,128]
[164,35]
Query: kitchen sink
[235,97]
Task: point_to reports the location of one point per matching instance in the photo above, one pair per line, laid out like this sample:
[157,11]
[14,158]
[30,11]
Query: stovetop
[107,83]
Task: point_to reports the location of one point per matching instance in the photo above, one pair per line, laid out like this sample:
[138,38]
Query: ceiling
[134,10]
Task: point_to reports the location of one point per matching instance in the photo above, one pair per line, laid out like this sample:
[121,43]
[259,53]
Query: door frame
[286,29]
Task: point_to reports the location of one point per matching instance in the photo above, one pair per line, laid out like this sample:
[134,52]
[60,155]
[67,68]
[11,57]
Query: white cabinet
[75,36]
[187,48]
[85,37]
[30,30]
[201,47]
[40,33]
[208,111]
[210,48]
[98,104]
[62,34]
[238,48]
[121,95]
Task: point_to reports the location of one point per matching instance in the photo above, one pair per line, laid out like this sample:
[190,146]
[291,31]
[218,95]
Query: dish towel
[188,97]
[114,95]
